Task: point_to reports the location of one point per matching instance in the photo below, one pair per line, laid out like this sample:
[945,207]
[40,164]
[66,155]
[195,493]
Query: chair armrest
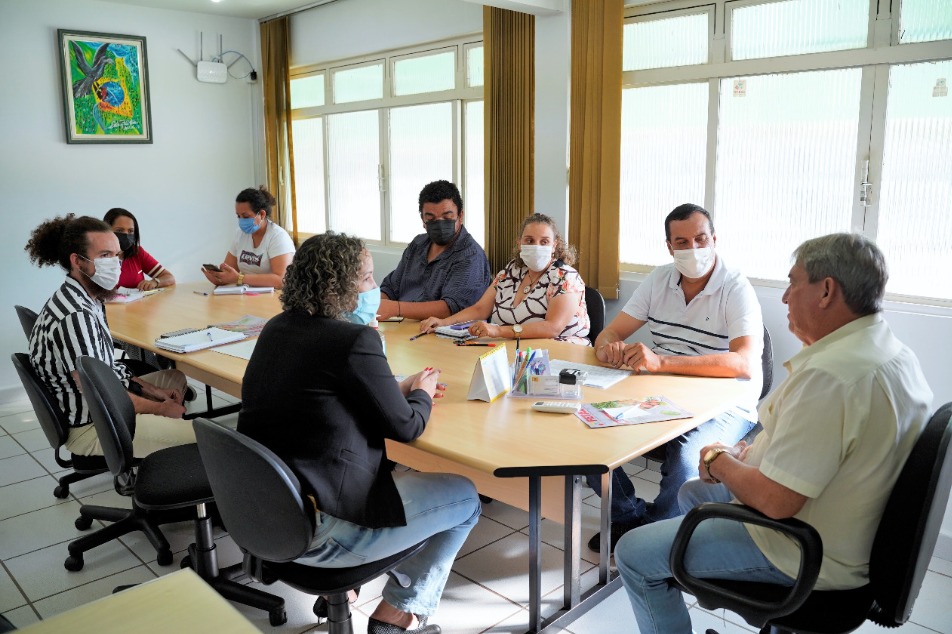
[754,601]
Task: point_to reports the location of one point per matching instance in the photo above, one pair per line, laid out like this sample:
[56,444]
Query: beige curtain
[279,154]
[595,140]
[509,92]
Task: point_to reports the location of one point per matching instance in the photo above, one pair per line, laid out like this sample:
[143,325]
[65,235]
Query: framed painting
[105,81]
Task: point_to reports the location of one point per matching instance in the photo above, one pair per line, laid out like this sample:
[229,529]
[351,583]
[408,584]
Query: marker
[489,345]
[201,292]
[414,337]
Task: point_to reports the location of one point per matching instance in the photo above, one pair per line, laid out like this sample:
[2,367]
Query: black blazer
[319,393]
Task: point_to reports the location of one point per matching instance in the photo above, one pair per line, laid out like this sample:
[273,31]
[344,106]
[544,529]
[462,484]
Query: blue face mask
[247,225]
[367,304]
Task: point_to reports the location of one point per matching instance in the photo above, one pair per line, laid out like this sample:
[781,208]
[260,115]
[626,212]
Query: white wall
[181,187]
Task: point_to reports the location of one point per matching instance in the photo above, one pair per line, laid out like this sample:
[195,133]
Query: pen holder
[528,363]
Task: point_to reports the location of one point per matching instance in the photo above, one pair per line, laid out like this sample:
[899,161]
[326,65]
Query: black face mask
[441,231]
[125,241]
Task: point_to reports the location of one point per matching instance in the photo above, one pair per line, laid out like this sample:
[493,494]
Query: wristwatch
[710,457]
[517,330]
[241,278]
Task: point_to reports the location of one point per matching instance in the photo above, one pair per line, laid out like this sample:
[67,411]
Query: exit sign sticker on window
[941,88]
[740,87]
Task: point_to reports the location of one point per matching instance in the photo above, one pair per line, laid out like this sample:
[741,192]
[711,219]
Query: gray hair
[855,262]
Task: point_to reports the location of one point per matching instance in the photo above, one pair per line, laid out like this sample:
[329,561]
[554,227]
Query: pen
[420,335]
[200,292]
[490,345]
[462,326]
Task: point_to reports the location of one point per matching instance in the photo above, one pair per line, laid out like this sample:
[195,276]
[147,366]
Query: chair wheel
[74,563]
[277,617]
[61,491]
[186,562]
[83,523]
[163,557]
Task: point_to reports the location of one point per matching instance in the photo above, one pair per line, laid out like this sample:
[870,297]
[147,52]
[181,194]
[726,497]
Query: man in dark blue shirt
[443,270]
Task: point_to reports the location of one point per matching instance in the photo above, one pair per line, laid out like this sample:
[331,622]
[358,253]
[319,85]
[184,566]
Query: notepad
[198,340]
[242,289]
[456,331]
[127,295]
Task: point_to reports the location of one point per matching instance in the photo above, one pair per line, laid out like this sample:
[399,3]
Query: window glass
[353,152]
[473,144]
[663,153]
[647,44]
[474,66]
[358,84]
[796,27]
[309,174]
[925,21]
[426,73]
[421,151]
[307,92]
[786,160]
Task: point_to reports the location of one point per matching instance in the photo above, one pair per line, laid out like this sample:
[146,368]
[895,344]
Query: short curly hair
[322,277]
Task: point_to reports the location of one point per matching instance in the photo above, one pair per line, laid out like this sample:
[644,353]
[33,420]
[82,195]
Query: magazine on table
[651,409]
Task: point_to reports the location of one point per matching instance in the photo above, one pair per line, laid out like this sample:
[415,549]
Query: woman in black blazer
[319,393]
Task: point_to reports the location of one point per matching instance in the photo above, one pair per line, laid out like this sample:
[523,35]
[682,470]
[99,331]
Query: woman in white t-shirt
[261,250]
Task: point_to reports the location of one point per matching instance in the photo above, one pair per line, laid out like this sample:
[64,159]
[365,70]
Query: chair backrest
[111,410]
[27,319]
[52,420]
[910,525]
[257,495]
[766,361]
[596,312]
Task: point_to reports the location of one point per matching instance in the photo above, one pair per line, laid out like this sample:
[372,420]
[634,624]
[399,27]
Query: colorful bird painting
[90,73]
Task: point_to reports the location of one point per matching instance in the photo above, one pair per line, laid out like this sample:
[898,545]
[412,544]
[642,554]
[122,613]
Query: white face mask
[107,272]
[694,263]
[536,257]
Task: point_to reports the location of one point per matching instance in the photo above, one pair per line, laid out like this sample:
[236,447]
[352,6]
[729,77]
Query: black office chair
[273,523]
[27,318]
[168,480]
[55,427]
[898,562]
[596,312]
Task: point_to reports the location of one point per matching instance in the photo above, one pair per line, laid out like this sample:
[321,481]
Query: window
[790,119]
[370,133]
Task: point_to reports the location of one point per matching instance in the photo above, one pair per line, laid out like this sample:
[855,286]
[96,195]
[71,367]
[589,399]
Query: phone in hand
[211,267]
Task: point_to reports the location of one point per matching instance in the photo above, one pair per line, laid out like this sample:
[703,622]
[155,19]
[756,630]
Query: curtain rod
[310,5]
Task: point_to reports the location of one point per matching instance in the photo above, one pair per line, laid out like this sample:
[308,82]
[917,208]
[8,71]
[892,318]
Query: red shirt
[134,266]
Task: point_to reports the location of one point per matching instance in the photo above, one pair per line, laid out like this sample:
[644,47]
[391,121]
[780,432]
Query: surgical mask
[368,302]
[107,272]
[694,263]
[441,231]
[247,225]
[125,241]
[536,256]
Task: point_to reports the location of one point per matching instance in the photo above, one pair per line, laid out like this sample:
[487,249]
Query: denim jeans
[719,549]
[438,506]
[682,455]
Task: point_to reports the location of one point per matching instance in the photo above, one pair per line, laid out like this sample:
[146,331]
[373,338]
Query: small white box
[212,72]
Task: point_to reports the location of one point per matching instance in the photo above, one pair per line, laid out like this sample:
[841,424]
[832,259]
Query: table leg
[572,541]
[535,553]
[604,545]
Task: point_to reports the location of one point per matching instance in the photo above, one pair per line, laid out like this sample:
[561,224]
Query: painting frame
[105,84]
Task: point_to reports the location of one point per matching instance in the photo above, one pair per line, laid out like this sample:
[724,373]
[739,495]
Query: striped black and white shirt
[726,309]
[72,324]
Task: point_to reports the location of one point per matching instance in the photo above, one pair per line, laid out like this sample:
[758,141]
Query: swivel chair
[55,427]
[596,312]
[902,548]
[273,523]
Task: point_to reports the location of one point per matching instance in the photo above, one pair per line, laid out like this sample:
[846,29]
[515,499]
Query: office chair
[898,562]
[168,480]
[55,427]
[27,318]
[596,312]
[273,523]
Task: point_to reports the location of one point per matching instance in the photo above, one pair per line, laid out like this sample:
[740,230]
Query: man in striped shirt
[73,324]
[704,320]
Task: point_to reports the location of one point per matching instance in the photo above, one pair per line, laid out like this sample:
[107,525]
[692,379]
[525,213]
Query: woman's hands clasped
[426,380]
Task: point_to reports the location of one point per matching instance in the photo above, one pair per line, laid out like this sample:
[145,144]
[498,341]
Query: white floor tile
[10,596]
[21,617]
[41,573]
[27,496]
[46,457]
[15,407]
[39,529]
[941,566]
[933,608]
[32,439]
[515,624]
[611,616]
[19,468]
[468,608]
[504,514]
[299,609]
[89,487]
[486,531]
[702,620]
[10,447]
[91,591]
[24,420]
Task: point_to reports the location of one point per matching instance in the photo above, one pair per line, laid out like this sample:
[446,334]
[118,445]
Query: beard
[96,291]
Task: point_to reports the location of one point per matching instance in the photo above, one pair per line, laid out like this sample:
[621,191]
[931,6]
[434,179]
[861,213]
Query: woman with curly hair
[319,393]
[537,296]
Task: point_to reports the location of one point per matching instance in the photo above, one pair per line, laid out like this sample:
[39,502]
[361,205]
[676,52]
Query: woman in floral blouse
[537,296]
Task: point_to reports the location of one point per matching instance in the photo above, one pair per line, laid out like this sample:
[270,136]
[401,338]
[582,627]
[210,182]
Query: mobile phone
[211,267]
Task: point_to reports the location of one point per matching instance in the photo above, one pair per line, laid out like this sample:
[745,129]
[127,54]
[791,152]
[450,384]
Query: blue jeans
[438,506]
[682,455]
[719,549]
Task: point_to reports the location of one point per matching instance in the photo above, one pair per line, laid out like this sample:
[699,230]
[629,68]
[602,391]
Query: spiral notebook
[199,340]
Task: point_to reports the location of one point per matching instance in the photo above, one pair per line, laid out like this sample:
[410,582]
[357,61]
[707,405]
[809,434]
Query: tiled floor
[487,591]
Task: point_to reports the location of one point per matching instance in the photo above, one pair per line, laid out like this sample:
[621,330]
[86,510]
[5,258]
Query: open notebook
[198,340]
[242,289]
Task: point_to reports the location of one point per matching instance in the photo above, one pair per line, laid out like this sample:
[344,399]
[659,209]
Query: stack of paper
[456,331]
[242,289]
[198,340]
[126,295]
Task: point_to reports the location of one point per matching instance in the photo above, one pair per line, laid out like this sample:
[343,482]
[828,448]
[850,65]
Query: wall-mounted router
[212,72]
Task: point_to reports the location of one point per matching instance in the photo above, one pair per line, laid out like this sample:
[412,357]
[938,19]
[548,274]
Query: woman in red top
[136,261]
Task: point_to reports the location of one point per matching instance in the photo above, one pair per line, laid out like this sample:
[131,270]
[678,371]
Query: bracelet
[399,310]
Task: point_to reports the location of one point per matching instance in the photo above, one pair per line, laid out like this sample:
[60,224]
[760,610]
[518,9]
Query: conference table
[531,460]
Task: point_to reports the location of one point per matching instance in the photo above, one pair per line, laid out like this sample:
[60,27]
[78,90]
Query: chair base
[62,491]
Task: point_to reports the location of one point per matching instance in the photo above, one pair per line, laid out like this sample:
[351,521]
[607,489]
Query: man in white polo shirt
[704,320]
